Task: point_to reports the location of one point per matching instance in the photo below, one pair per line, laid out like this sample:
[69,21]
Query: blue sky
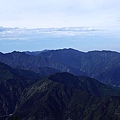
[97,23]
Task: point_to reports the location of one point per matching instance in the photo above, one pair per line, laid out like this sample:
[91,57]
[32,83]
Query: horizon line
[45,50]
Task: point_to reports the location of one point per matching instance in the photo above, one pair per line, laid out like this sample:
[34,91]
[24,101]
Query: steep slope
[12,84]
[64,96]
[110,76]
[92,63]
[21,60]
[85,84]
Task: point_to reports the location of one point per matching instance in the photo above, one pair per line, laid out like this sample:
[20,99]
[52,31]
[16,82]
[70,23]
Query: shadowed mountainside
[63,96]
[94,64]
[12,83]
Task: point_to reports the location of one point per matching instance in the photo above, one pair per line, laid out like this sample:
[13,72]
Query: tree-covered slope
[92,64]
[63,96]
[12,83]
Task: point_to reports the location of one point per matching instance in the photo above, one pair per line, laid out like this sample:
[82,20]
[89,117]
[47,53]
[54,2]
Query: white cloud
[59,13]
[99,18]
[26,34]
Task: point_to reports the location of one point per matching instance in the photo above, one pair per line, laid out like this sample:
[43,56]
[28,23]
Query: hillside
[12,83]
[94,64]
[63,96]
[60,96]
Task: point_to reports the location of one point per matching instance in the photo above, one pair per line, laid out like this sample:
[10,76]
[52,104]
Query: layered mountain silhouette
[12,83]
[64,96]
[61,96]
[95,64]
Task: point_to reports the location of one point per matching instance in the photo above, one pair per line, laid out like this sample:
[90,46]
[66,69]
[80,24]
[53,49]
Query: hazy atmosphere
[59,60]
[83,25]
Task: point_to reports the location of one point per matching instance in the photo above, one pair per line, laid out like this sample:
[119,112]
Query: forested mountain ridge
[60,96]
[63,96]
[12,83]
[95,64]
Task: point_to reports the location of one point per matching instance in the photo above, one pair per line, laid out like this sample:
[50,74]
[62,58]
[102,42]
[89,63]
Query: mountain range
[95,64]
[64,96]
[63,84]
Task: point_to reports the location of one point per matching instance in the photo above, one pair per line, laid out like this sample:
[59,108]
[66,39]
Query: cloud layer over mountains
[81,38]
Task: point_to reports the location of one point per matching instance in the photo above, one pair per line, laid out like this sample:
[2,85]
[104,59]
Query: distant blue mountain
[95,64]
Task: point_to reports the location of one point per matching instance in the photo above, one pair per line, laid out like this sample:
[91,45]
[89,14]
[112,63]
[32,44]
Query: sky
[97,23]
